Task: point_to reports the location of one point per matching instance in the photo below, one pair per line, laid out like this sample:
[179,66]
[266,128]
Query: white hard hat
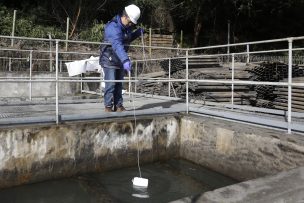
[133,13]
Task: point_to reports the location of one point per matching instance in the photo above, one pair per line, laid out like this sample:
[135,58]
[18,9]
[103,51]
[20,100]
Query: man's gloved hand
[127,66]
[141,30]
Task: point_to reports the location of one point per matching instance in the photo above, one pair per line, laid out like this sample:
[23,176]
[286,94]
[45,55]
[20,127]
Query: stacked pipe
[274,96]
[193,63]
[260,95]
[215,92]
[281,100]
[176,65]
[265,92]
[274,71]
[157,88]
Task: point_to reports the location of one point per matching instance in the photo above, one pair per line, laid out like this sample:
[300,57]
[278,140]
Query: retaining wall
[39,89]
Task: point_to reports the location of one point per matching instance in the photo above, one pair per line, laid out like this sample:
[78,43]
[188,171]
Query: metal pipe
[11,80]
[13,28]
[248,56]
[100,84]
[51,65]
[10,64]
[289,83]
[81,85]
[31,69]
[244,82]
[136,69]
[239,53]
[167,48]
[57,88]
[129,76]
[245,43]
[181,57]
[44,51]
[187,81]
[169,85]
[232,80]
[97,79]
[60,66]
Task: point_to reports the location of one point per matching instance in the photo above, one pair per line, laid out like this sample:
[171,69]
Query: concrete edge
[286,187]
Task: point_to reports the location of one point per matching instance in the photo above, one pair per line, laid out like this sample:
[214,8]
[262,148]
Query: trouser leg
[109,74]
[118,99]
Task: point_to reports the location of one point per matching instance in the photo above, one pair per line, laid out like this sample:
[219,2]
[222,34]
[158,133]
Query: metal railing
[169,80]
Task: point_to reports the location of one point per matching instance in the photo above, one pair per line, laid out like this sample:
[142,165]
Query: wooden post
[13,28]
[181,39]
[150,41]
[228,42]
[67,33]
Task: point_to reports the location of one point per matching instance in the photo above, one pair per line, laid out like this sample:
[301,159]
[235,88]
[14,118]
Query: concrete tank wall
[39,89]
[30,154]
[35,153]
[238,150]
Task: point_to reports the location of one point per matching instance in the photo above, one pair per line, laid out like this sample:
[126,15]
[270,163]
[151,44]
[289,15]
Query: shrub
[94,33]
[6,21]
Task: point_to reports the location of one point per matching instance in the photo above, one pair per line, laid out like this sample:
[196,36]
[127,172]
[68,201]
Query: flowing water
[168,181]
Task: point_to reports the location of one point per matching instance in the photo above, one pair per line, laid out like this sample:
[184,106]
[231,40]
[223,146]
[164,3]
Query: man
[113,56]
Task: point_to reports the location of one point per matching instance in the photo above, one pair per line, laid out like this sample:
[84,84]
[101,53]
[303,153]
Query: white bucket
[140,182]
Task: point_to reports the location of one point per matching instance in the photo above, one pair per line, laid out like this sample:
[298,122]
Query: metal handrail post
[150,42]
[31,69]
[232,80]
[136,69]
[169,85]
[10,64]
[289,82]
[57,88]
[60,66]
[81,85]
[51,63]
[101,81]
[187,80]
[129,89]
[248,56]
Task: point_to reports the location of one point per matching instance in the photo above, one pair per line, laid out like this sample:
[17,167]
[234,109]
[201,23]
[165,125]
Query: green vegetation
[93,33]
[203,22]
[25,26]
[6,20]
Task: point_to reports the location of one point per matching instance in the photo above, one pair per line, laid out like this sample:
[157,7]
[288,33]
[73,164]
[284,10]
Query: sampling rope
[134,111]
[134,114]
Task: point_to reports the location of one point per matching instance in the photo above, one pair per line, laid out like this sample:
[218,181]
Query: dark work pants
[113,90]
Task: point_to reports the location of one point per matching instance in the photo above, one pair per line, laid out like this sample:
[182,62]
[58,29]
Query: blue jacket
[119,37]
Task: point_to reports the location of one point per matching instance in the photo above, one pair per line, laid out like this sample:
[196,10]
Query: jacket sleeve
[115,37]
[135,34]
